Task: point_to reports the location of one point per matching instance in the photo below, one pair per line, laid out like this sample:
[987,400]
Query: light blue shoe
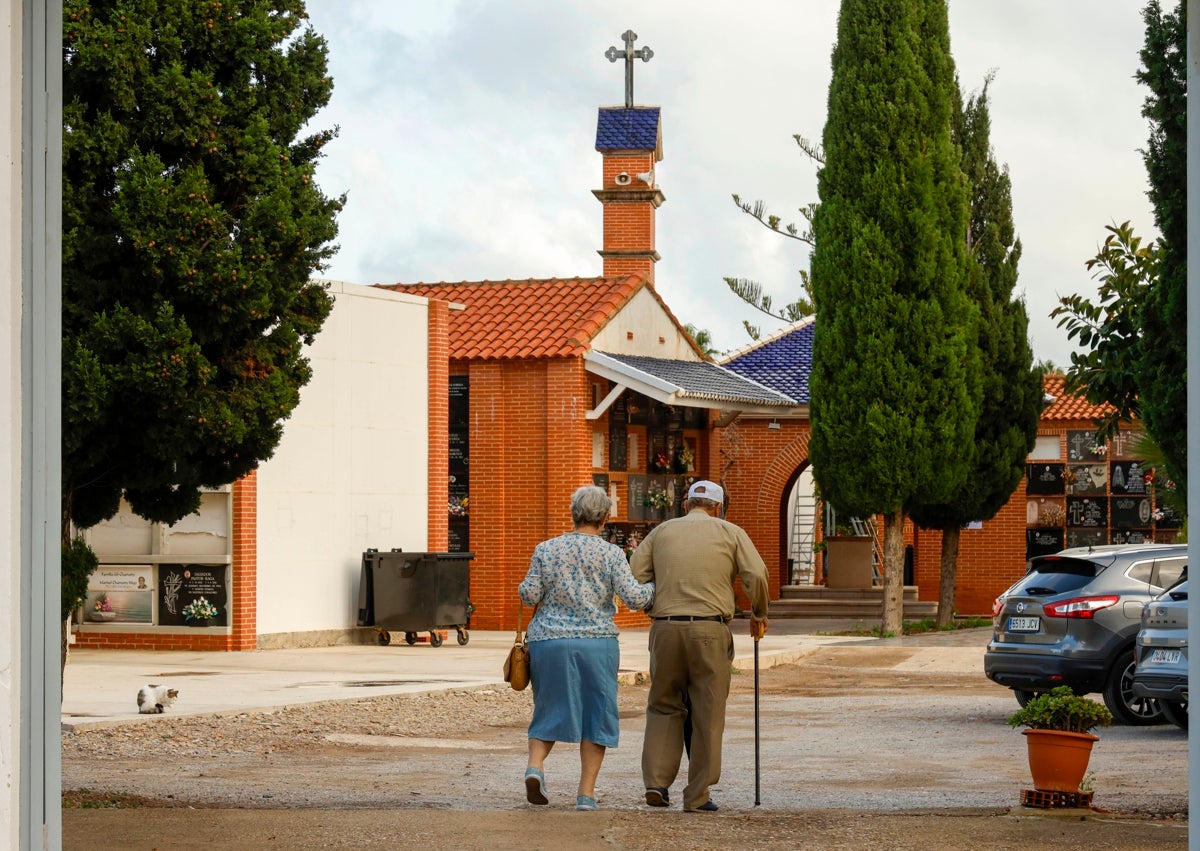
[535,786]
[586,802]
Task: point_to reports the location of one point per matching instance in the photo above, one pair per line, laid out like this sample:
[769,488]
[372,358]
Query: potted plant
[1058,738]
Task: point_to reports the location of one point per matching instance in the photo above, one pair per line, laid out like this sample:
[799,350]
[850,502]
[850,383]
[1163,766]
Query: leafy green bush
[1062,709]
[78,562]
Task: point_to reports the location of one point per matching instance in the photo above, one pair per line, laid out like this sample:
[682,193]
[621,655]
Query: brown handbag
[516,666]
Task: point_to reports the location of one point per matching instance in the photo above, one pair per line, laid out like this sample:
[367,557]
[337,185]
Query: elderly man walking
[694,562]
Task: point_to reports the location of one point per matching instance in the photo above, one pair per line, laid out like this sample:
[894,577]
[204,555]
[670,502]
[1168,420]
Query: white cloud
[467,137]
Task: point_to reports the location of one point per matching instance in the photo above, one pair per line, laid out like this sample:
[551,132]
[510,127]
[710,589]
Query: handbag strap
[520,616]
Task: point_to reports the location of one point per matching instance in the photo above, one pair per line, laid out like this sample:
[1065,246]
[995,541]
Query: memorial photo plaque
[1085,537]
[1079,446]
[460,411]
[1045,479]
[1131,512]
[1127,477]
[1040,542]
[1087,479]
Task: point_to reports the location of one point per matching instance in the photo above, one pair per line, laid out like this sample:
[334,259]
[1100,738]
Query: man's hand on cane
[758,628]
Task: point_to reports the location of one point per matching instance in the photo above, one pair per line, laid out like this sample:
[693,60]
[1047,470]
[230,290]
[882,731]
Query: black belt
[720,618]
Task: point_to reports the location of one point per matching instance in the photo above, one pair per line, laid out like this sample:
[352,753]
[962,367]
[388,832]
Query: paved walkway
[100,686]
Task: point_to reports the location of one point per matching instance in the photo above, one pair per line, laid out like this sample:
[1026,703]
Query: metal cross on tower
[613,54]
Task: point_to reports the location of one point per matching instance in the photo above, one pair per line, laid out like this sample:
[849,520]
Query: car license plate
[1164,657]
[1024,624]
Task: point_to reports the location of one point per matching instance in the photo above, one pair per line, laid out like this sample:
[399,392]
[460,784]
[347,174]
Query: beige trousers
[689,661]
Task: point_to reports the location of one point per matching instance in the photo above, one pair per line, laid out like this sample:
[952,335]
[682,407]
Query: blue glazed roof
[782,362]
[703,380]
[621,129]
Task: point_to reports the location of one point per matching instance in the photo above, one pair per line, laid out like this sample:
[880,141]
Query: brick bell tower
[630,140]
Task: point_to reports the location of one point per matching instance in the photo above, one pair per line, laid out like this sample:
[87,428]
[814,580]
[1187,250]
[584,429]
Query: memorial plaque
[1131,512]
[1127,477]
[120,594]
[636,503]
[1085,537]
[1170,519]
[180,585]
[460,537]
[1087,479]
[1129,536]
[1087,511]
[600,480]
[459,487]
[1045,479]
[619,412]
[617,446]
[460,400]
[635,408]
[1040,542]
[459,450]
[1079,446]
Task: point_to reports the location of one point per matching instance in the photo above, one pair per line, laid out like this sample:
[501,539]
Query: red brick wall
[244,594]
[757,466]
[628,223]
[438,538]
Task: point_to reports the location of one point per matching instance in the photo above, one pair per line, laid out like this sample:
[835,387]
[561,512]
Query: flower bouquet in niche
[661,462]
[685,459]
[199,610]
[657,499]
[459,506]
[102,610]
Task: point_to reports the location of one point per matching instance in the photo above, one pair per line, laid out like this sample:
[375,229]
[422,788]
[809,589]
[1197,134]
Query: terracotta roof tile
[1067,406]
[527,319]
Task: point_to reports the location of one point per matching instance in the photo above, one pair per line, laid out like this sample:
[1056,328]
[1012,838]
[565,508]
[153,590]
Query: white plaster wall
[654,334]
[10,418]
[351,472]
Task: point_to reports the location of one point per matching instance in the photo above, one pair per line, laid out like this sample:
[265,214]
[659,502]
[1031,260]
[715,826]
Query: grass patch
[93,799]
[925,625]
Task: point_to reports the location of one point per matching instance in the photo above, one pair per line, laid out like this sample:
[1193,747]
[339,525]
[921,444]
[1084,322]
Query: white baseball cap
[705,489]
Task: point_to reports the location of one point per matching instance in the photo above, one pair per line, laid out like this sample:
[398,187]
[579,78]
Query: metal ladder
[867,528]
[804,528]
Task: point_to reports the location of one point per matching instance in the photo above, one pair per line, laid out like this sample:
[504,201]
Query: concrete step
[816,601]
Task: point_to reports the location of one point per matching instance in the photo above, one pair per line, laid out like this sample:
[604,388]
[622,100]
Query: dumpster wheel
[410,638]
[463,637]
[435,638]
[385,637]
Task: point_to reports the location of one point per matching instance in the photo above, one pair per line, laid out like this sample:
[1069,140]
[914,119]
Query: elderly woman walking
[573,651]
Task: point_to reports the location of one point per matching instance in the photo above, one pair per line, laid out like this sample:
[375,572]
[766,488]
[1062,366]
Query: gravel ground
[858,750]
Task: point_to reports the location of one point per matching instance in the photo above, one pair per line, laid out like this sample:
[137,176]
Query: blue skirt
[575,690]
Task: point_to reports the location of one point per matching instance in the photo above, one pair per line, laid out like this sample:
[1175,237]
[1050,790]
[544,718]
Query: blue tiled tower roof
[782,362]
[628,129]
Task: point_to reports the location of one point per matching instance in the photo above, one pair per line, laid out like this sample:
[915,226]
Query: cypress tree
[1162,384]
[894,385]
[1011,401]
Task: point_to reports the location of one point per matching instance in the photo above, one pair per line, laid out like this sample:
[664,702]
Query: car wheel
[1023,697]
[1175,711]
[1127,707]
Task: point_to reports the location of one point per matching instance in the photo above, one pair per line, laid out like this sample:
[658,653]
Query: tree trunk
[945,612]
[893,573]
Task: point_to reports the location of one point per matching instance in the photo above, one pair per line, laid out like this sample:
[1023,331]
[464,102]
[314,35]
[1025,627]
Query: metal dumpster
[414,592]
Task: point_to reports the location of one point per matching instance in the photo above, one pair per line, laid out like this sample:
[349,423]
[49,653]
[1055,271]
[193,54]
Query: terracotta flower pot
[1057,759]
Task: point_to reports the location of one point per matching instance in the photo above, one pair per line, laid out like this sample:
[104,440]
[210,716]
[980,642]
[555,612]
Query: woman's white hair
[590,505]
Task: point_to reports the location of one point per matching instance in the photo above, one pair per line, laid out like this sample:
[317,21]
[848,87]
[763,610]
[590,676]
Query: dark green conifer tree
[1161,381]
[1011,387]
[191,228]
[894,383]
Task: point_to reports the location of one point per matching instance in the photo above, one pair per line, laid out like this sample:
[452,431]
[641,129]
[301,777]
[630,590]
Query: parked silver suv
[1162,650]
[1072,620]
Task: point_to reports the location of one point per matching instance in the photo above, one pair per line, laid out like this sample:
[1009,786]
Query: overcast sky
[467,137]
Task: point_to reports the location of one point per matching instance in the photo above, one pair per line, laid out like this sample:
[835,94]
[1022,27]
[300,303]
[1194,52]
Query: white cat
[153,699]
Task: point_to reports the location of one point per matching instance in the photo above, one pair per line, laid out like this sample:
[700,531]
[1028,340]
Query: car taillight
[997,605]
[1080,607]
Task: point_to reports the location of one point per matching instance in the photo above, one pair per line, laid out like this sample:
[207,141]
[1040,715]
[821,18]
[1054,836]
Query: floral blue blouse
[574,579]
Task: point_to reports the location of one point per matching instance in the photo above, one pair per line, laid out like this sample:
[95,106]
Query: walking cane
[757,772]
